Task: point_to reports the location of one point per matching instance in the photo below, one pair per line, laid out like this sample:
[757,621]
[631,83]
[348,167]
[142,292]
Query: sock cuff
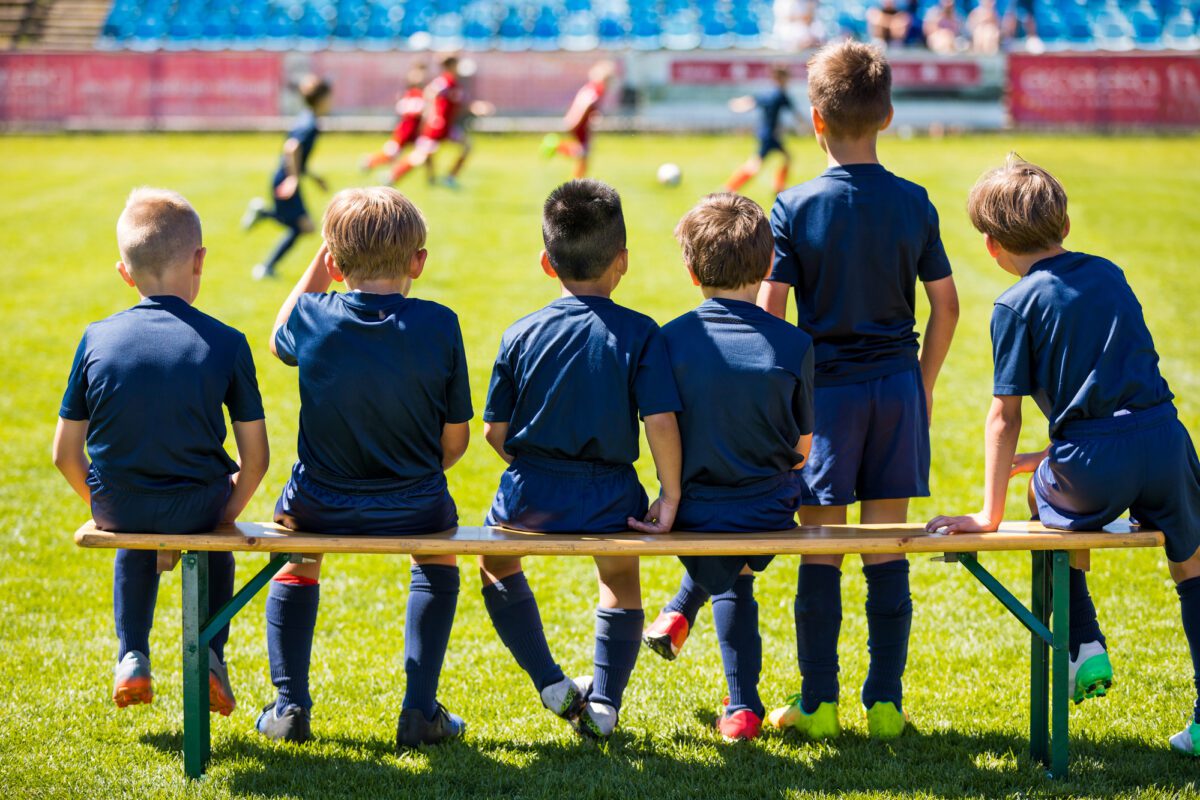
[1189,587]
[288,579]
[898,567]
[434,578]
[507,592]
[620,624]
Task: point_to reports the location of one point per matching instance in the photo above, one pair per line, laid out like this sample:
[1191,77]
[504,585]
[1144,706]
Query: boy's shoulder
[338,303]
[569,311]
[834,181]
[130,321]
[781,334]
[1043,285]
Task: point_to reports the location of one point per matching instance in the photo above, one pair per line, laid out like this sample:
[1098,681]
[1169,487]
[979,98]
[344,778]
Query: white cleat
[564,698]
[1187,741]
[254,212]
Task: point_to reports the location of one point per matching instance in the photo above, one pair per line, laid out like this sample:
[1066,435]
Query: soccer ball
[670,174]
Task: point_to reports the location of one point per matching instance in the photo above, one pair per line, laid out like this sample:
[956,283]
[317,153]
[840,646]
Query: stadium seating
[515,25]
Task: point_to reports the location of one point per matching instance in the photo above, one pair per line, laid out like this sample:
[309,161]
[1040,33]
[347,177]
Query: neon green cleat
[821,724]
[1090,673]
[885,721]
[1187,741]
[550,144]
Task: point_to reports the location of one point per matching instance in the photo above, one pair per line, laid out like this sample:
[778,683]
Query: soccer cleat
[132,684]
[564,698]
[595,720]
[220,691]
[260,271]
[821,724]
[885,721]
[293,725]
[667,634]
[254,213]
[451,182]
[414,729]
[549,145]
[1090,673]
[740,726]
[1187,741]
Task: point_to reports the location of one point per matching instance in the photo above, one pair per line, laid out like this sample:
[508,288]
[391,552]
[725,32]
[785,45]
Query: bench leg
[1039,664]
[196,742]
[1059,701]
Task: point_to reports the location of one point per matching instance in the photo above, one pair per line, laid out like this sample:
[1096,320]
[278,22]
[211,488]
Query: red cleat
[667,635]
[740,726]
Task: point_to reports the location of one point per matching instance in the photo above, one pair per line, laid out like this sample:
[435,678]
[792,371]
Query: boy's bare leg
[884,512]
[823,515]
[493,569]
[620,581]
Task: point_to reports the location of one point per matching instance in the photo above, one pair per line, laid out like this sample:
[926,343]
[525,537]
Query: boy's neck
[746,294]
[842,152]
[381,285]
[179,285]
[1021,264]
[601,288]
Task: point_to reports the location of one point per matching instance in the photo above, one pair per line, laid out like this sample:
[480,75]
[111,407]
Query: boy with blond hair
[384,406]
[1071,334]
[745,379]
[567,388]
[145,396]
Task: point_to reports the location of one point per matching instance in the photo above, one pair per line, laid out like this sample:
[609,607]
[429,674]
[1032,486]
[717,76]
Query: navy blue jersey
[305,132]
[771,104]
[151,381]
[380,375]
[571,379]
[746,382]
[1071,334]
[853,242]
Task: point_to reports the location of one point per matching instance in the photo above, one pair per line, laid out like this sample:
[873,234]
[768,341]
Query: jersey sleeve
[502,390]
[785,268]
[654,388]
[934,264]
[243,398]
[288,333]
[1012,353]
[458,387]
[802,400]
[74,402]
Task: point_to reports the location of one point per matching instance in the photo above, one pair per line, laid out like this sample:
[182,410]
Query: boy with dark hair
[1071,334]
[384,406]
[289,210]
[145,393]
[746,382]
[771,105]
[567,387]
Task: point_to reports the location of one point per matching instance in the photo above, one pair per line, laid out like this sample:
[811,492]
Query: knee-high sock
[135,592]
[290,235]
[735,614]
[291,620]
[514,612]
[688,600]
[220,589]
[1084,625]
[1189,606]
[889,621]
[818,610]
[618,640]
[432,600]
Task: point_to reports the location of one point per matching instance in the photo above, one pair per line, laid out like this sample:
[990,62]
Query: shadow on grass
[943,763]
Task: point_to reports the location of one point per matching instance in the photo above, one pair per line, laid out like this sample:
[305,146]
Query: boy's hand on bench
[968,523]
[1027,462]
[659,519]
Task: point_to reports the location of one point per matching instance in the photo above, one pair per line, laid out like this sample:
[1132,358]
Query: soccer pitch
[1133,200]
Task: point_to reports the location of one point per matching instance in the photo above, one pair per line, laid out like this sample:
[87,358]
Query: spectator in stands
[942,27]
[983,24]
[796,25]
[888,24]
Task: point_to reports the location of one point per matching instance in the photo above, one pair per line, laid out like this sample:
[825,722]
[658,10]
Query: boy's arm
[1000,445]
[662,432]
[740,105]
[315,279]
[773,296]
[254,454]
[496,433]
[939,331]
[455,437]
[70,457]
[803,448]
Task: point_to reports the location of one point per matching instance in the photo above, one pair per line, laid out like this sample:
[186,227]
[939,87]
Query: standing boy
[1070,333]
[578,120]
[145,392]
[770,105]
[745,379]
[289,210]
[384,406]
[566,391]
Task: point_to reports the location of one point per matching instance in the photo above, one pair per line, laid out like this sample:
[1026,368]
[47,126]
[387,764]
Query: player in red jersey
[578,120]
[409,108]
[444,103]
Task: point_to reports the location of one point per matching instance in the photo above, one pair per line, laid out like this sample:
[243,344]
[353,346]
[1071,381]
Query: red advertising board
[1104,91]
[137,87]
[906,74]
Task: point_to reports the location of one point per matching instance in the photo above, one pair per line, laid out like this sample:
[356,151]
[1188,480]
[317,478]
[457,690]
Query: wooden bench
[1046,618]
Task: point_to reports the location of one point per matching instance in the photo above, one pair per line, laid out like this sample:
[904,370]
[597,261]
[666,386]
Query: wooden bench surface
[464,540]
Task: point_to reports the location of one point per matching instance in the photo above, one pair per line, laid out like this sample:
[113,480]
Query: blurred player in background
[410,107]
[288,208]
[578,120]
[771,105]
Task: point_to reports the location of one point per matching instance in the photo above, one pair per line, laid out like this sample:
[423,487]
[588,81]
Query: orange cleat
[740,726]
[132,684]
[667,635]
[220,692]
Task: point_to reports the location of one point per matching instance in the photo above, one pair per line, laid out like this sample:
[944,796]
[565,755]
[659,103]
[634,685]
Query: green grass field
[1136,201]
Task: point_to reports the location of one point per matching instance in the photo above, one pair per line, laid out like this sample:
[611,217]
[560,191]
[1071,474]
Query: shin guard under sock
[889,622]
[514,612]
[735,615]
[618,640]
[432,600]
[818,610]
[291,621]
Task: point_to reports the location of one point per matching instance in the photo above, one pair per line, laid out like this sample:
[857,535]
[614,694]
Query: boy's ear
[623,261]
[1067,227]
[417,265]
[770,266]
[123,271]
[198,261]
[332,268]
[993,247]
[818,122]
[692,274]
[887,122]
[547,267]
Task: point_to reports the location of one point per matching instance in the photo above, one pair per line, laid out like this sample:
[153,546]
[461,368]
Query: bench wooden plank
[470,540]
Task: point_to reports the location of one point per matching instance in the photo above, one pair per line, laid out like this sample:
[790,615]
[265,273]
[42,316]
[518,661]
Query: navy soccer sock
[220,589]
[889,621]
[1189,607]
[618,640]
[514,612]
[291,620]
[135,591]
[432,600]
[688,600]
[818,610]
[735,614]
[1084,625]
[281,247]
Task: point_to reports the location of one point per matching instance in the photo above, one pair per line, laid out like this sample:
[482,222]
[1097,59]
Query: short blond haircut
[1020,205]
[373,232]
[726,241]
[850,83]
[158,230]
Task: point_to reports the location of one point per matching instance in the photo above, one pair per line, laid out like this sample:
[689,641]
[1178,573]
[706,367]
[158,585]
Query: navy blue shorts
[366,507]
[1142,461]
[195,509]
[292,210]
[560,496]
[870,441]
[768,145]
[767,505]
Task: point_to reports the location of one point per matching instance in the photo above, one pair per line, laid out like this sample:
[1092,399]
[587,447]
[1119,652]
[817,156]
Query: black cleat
[414,730]
[290,726]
